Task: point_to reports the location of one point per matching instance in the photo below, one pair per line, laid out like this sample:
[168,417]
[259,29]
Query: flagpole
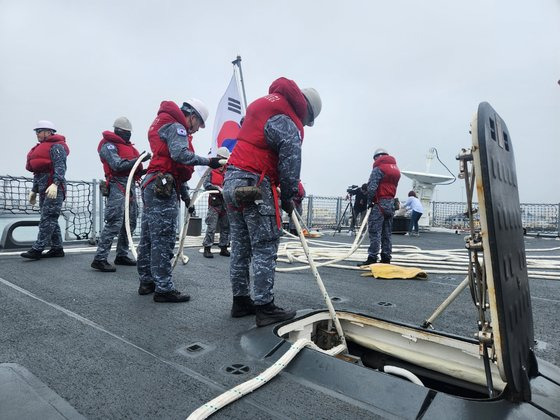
[237,62]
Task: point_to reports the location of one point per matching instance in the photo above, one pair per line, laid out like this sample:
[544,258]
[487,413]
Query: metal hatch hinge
[476,272]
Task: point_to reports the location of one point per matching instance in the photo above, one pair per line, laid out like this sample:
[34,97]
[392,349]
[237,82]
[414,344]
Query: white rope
[249,386]
[127,203]
[357,241]
[318,279]
[446,261]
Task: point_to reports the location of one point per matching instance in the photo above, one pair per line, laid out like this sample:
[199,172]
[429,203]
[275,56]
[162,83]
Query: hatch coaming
[452,356]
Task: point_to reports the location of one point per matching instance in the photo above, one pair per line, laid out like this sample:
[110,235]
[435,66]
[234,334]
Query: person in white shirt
[415,205]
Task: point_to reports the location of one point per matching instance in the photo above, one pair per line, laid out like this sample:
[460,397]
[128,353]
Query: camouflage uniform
[114,207]
[159,219]
[254,231]
[216,215]
[49,229]
[380,222]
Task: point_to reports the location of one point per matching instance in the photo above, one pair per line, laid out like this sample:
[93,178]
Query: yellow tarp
[391,271]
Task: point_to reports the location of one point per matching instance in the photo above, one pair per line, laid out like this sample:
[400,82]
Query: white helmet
[379,151]
[315,102]
[123,123]
[223,152]
[45,125]
[198,107]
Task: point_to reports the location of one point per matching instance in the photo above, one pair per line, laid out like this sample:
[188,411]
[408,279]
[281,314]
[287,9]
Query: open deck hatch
[503,355]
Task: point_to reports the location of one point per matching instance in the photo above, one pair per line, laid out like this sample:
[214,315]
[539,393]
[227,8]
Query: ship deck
[78,342]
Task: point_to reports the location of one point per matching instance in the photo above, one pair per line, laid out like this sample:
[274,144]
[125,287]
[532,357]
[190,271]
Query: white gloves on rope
[32,198]
[52,191]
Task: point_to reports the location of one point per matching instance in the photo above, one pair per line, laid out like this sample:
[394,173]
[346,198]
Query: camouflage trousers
[254,242]
[215,216]
[49,229]
[380,227]
[157,239]
[115,223]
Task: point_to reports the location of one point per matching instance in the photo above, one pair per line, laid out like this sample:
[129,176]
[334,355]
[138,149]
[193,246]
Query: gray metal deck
[110,353]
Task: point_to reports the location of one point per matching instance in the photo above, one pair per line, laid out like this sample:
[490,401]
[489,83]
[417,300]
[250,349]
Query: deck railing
[84,207]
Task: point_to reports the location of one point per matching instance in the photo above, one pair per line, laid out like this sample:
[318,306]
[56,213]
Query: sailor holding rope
[118,156]
[172,165]
[267,155]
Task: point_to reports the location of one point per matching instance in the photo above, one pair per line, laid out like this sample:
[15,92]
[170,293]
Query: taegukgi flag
[228,117]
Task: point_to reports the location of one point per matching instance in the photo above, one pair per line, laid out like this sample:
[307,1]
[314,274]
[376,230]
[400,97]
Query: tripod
[350,206]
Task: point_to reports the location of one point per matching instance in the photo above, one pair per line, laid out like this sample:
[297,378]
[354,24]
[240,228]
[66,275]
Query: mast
[237,62]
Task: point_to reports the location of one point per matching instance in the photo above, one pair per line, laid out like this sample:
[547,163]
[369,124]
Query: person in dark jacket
[360,205]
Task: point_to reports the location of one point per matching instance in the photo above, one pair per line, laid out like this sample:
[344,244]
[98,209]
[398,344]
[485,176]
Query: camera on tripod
[352,189]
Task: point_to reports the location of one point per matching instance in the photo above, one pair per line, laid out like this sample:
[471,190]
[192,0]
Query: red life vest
[387,188]
[217,177]
[125,151]
[251,152]
[39,157]
[161,161]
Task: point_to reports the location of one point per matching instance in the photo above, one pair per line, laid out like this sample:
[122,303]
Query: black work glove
[143,172]
[191,210]
[215,162]
[370,205]
[288,207]
[187,200]
[147,157]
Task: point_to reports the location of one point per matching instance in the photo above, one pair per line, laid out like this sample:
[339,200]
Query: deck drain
[336,299]
[237,369]
[383,303]
[195,349]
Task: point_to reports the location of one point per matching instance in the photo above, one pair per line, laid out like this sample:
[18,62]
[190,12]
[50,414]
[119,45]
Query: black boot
[242,306]
[224,252]
[370,260]
[146,288]
[207,253]
[32,254]
[173,296]
[103,265]
[53,252]
[385,259]
[126,260]
[270,314]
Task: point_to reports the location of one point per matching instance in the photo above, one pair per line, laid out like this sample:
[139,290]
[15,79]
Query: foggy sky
[403,75]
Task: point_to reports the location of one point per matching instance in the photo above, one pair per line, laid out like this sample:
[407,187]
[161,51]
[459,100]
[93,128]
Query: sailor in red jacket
[267,154]
[382,188]
[172,165]
[118,155]
[47,161]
